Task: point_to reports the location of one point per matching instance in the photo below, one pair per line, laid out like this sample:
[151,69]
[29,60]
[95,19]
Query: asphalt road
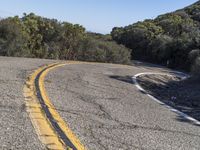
[16,130]
[107,112]
[98,102]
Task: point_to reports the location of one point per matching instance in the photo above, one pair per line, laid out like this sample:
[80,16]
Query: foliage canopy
[168,39]
[35,36]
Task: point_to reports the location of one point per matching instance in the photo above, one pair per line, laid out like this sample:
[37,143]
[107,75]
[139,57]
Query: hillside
[172,39]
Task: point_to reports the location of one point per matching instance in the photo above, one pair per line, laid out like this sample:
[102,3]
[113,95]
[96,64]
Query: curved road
[106,111]
[16,130]
[98,102]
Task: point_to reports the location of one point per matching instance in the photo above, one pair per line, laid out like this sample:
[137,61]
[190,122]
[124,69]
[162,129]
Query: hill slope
[172,39]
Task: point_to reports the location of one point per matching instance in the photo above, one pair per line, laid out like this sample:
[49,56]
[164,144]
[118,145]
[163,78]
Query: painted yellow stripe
[43,127]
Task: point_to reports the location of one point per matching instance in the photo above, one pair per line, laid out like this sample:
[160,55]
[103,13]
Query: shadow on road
[127,79]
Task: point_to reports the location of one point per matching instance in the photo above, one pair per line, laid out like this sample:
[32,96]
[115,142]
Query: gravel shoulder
[183,95]
[106,111]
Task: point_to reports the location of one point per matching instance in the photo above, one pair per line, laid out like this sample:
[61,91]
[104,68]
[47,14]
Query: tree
[168,38]
[13,41]
[69,39]
[35,36]
[159,49]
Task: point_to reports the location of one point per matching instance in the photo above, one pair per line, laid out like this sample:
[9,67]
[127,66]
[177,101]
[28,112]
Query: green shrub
[13,41]
[196,67]
[193,55]
[168,38]
[35,36]
[103,51]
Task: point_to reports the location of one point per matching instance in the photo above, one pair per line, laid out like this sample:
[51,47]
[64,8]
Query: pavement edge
[43,127]
[183,76]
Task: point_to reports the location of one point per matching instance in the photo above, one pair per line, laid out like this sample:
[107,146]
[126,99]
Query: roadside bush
[159,49]
[103,51]
[193,55]
[196,67]
[39,37]
[12,39]
[168,39]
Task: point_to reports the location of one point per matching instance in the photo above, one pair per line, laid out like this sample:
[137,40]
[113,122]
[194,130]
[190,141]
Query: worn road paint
[183,76]
[50,127]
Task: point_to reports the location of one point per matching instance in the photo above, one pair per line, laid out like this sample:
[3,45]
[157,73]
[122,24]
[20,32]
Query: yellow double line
[50,127]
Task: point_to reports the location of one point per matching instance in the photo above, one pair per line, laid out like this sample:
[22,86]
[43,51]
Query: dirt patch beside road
[183,95]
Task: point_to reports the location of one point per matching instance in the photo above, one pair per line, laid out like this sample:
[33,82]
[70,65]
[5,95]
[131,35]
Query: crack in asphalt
[106,115]
[100,122]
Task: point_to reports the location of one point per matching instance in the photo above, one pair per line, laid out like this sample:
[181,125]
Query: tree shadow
[127,79]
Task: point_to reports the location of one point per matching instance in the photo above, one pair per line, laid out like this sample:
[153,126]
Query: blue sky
[96,15]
